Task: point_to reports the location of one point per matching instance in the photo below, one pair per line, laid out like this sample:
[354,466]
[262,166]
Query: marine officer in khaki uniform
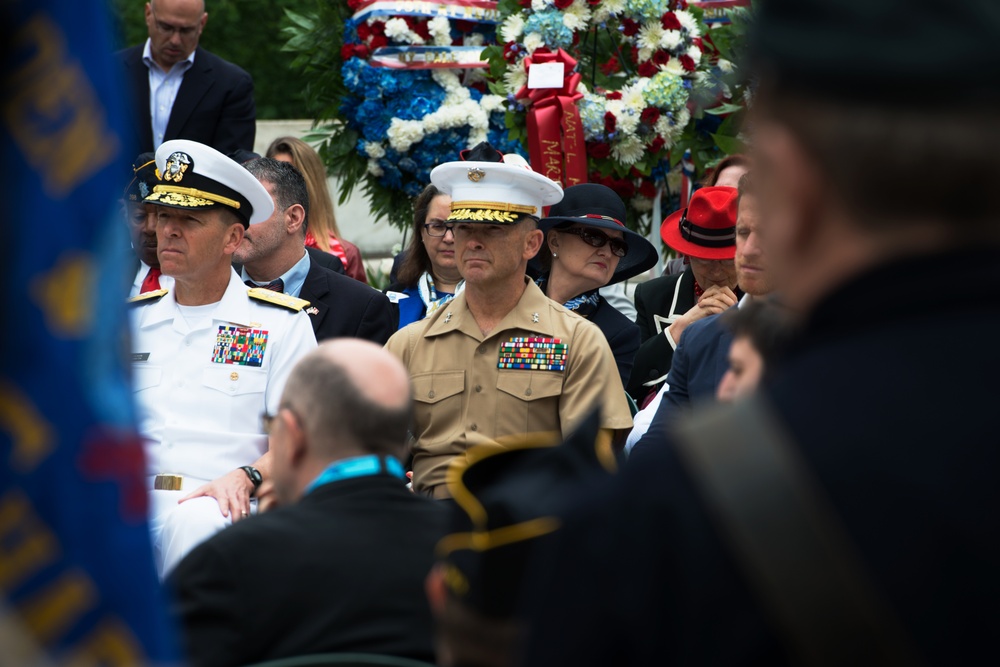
[500,359]
[209,356]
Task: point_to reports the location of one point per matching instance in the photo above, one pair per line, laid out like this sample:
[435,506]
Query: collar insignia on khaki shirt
[534,318]
[240,345]
[533,354]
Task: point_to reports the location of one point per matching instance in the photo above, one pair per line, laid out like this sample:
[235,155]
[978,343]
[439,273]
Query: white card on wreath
[546,75]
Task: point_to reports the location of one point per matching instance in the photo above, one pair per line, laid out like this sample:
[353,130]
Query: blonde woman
[323,232]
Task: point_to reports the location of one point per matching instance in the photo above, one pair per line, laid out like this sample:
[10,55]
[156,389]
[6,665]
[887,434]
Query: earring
[555,254]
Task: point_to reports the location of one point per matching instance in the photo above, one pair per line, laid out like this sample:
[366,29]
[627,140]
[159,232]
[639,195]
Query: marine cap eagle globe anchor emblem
[175,166]
[476,174]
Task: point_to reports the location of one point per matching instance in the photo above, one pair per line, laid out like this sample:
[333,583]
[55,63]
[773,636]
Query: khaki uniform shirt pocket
[528,401]
[437,403]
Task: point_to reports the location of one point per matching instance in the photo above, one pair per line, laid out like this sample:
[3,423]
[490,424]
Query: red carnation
[682,4]
[614,95]
[647,189]
[378,28]
[347,52]
[650,115]
[611,66]
[524,3]
[657,145]
[647,69]
[629,27]
[422,29]
[364,32]
[353,5]
[409,21]
[624,187]
[465,26]
[378,41]
[509,54]
[593,2]
[661,57]
[598,150]
[634,173]
[562,4]
[687,62]
[697,41]
[670,21]
[576,38]
[610,122]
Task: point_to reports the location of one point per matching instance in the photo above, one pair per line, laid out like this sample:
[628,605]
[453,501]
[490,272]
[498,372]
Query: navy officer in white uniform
[209,355]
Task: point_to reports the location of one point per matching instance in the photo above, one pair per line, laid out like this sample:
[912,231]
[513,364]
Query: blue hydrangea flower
[549,24]
[666,91]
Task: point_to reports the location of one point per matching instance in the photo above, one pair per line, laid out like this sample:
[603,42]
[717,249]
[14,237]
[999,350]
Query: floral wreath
[414,83]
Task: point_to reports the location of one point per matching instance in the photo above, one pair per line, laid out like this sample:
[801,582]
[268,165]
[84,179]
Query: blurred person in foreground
[355,542]
[506,505]
[759,334]
[847,513]
[323,232]
[588,246]
[428,275]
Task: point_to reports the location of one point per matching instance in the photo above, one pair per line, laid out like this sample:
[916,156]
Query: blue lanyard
[360,466]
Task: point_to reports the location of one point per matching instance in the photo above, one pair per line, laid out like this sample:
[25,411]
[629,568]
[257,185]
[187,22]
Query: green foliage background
[244,32]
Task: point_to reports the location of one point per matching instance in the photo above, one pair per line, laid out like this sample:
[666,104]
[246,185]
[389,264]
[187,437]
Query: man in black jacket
[273,255]
[848,513]
[340,566]
[181,91]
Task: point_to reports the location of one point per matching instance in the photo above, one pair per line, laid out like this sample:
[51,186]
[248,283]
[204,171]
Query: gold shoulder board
[277,298]
[147,297]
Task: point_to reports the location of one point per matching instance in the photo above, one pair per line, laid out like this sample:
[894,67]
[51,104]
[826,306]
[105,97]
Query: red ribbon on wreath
[555,131]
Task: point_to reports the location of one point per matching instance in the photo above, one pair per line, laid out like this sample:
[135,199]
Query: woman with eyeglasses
[587,247]
[428,273]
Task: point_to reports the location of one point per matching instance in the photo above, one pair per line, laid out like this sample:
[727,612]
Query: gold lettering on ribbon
[112,644]
[26,544]
[64,295]
[552,159]
[29,432]
[52,612]
[54,113]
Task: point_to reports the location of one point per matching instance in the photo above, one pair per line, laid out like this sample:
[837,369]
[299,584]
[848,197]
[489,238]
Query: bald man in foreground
[339,567]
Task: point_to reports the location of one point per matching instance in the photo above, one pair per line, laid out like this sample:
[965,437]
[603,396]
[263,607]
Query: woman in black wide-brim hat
[587,246]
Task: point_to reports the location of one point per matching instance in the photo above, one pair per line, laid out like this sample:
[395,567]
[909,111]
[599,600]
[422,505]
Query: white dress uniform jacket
[200,389]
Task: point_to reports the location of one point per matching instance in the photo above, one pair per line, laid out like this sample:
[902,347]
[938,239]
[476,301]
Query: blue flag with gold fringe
[77,582]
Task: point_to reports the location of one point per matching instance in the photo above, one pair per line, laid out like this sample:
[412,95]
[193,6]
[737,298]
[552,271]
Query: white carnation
[512,27]
[474,39]
[613,6]
[404,133]
[539,5]
[629,150]
[397,30]
[573,21]
[644,53]
[477,136]
[662,125]
[440,30]
[374,168]
[726,66]
[694,53]
[669,39]
[533,41]
[491,103]
[374,149]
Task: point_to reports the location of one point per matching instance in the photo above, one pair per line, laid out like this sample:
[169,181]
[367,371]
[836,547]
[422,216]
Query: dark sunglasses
[592,237]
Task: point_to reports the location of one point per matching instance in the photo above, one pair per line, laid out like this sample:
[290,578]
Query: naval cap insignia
[476,174]
[175,166]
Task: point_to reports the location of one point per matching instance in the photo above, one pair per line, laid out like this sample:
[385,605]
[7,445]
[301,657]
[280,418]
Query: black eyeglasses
[267,419]
[439,228]
[592,237]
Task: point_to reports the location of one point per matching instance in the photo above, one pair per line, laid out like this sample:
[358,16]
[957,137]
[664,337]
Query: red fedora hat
[706,229]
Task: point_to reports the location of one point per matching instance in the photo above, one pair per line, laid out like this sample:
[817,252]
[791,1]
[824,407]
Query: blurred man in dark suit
[848,512]
[340,567]
[273,254]
[181,91]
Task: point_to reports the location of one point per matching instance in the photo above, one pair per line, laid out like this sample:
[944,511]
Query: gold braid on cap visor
[489,211]
[191,197]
